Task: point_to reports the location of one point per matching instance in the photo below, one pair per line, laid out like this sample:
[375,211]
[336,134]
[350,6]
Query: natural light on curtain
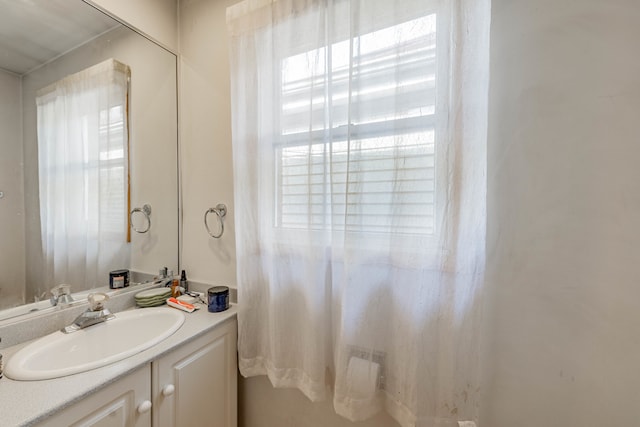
[83,174]
[359,143]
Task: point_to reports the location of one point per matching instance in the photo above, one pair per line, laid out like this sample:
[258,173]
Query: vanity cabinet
[192,385]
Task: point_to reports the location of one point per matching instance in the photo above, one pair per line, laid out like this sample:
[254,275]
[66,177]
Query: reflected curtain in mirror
[83,165]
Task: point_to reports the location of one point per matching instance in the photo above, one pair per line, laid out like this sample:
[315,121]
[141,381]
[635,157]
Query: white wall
[205,134]
[564,214]
[12,269]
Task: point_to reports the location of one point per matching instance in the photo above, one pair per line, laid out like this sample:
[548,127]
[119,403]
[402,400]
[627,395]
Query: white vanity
[188,379]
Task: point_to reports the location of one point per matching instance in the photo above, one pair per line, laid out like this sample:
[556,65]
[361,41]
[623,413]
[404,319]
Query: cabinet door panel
[115,414]
[116,405]
[197,384]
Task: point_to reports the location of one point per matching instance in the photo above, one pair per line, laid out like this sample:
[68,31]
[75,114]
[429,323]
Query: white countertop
[25,403]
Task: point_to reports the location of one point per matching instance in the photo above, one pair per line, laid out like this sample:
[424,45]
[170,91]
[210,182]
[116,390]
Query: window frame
[440,121]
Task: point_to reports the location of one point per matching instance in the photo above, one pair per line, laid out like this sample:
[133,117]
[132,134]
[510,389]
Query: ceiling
[33,32]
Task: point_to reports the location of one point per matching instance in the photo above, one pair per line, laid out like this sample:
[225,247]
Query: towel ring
[220,210]
[146,211]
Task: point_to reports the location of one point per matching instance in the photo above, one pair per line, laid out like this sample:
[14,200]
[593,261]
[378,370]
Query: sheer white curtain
[83,175]
[359,133]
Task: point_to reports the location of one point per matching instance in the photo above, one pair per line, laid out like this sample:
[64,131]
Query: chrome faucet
[61,295]
[164,277]
[96,313]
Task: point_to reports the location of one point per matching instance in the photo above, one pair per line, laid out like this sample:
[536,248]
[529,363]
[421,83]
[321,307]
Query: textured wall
[12,203]
[563,208]
[205,132]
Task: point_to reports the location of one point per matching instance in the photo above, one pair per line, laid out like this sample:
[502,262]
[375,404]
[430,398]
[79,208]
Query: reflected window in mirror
[83,166]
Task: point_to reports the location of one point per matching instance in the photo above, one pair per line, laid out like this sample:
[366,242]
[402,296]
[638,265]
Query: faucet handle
[97,300]
[61,294]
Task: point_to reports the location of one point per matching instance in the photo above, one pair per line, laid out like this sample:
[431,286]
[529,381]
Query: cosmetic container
[218,299]
[118,279]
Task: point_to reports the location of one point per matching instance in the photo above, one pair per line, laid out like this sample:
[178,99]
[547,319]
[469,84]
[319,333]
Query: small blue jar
[218,299]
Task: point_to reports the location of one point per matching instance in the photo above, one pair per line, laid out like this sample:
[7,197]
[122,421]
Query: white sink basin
[59,354]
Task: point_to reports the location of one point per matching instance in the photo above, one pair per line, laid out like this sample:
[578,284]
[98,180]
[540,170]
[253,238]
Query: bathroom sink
[59,354]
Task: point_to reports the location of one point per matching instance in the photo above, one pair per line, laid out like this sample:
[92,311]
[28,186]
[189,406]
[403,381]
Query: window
[358,133]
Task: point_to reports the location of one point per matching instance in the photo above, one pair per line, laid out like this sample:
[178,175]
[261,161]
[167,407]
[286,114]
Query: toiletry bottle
[183,281]
[175,288]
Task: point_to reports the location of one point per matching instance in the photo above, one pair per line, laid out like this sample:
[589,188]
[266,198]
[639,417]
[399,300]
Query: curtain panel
[83,167]
[359,149]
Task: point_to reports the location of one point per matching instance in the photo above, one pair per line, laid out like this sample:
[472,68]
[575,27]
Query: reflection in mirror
[75,161]
[83,168]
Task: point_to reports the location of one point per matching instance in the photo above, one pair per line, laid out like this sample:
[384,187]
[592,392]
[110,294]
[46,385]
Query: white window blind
[114,168]
[358,133]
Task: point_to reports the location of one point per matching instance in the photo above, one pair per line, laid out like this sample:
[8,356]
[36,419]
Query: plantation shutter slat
[358,138]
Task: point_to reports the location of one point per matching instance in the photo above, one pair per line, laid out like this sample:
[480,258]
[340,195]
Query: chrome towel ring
[220,210]
[146,211]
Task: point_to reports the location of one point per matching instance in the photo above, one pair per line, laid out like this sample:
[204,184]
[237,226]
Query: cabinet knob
[144,407]
[168,390]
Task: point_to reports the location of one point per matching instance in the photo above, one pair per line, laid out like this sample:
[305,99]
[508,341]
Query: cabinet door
[125,403]
[196,385]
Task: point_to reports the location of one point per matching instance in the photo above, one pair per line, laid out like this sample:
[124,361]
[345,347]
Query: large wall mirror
[48,237]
